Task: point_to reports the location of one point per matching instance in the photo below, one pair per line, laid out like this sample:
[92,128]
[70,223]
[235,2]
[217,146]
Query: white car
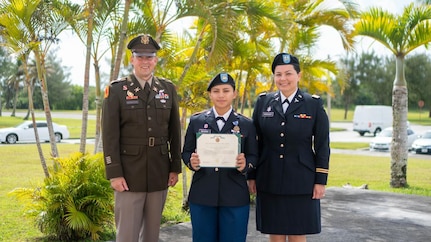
[423,144]
[25,132]
[383,140]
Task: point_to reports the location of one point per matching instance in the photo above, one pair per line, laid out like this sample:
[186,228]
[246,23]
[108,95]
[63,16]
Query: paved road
[348,135]
[351,215]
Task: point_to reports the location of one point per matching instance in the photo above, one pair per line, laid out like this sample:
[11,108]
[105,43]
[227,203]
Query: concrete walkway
[351,215]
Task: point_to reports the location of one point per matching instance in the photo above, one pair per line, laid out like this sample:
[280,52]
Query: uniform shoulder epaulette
[197,113]
[118,80]
[262,94]
[315,96]
[163,79]
[242,115]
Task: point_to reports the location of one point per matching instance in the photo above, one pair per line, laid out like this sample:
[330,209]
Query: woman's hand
[240,162]
[195,162]
[252,186]
[318,191]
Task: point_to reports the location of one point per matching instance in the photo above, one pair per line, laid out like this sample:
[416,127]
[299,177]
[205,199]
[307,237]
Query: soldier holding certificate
[219,198]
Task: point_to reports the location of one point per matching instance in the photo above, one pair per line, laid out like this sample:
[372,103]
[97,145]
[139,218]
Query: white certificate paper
[218,150]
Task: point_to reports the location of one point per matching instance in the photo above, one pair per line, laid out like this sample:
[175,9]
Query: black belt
[150,141]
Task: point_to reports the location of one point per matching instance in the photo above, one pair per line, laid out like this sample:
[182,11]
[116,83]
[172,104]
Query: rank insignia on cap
[286,58]
[221,78]
[145,40]
[224,77]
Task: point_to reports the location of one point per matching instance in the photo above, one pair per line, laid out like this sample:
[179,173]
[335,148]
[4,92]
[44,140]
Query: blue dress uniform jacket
[294,152]
[141,135]
[220,186]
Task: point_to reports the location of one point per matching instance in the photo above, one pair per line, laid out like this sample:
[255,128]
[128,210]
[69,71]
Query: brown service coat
[141,136]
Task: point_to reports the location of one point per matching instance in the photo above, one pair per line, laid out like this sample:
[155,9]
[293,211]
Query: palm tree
[15,28]
[14,83]
[401,35]
[101,24]
[425,1]
[304,18]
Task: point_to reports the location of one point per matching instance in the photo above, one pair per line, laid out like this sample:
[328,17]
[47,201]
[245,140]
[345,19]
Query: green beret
[221,78]
[285,59]
[143,45]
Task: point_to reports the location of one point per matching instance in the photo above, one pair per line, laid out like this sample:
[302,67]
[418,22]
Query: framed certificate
[218,150]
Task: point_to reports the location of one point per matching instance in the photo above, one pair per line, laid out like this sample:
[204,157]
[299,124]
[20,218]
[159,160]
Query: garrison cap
[143,45]
[285,59]
[221,78]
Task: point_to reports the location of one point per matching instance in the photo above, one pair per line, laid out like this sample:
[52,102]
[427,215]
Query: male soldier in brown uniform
[141,143]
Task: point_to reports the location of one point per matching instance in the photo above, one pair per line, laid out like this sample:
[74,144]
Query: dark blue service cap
[221,78]
[143,45]
[285,59]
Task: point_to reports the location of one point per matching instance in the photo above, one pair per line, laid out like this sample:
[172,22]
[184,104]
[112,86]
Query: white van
[371,119]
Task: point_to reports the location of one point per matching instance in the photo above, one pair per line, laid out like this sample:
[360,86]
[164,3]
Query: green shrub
[76,202]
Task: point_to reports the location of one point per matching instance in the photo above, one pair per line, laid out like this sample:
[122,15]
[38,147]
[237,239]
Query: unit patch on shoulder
[106,92]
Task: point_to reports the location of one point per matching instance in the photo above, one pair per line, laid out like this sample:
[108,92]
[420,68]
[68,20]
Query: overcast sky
[72,51]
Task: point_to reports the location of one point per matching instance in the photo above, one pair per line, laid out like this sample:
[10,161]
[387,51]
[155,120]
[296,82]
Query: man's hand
[119,184]
[173,179]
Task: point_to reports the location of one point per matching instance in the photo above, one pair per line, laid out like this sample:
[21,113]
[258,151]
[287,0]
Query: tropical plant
[75,202]
[17,31]
[401,35]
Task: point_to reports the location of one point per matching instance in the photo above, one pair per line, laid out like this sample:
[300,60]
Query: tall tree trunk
[15,98]
[29,84]
[122,40]
[40,64]
[399,150]
[29,110]
[83,140]
[98,136]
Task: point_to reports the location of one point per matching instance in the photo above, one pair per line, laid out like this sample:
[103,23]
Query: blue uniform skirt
[287,214]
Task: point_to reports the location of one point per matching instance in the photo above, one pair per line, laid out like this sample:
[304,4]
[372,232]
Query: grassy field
[21,168]
[25,171]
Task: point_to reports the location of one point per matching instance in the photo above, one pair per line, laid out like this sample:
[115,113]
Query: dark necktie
[220,126]
[147,89]
[220,118]
[285,101]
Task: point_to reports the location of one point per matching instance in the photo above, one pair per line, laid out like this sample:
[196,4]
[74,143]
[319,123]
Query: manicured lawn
[21,168]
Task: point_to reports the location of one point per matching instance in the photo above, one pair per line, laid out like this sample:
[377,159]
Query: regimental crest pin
[224,77]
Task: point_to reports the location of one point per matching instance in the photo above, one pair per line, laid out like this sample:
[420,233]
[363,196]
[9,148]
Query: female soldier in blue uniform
[292,171]
[219,198]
